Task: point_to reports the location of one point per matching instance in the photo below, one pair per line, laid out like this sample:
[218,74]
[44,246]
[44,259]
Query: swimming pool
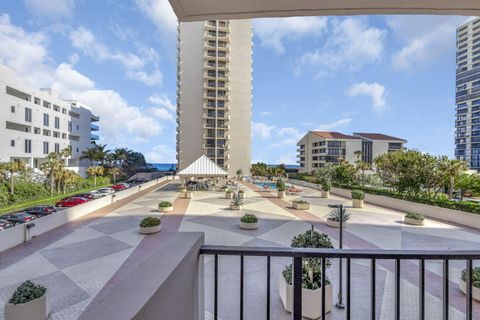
[272,185]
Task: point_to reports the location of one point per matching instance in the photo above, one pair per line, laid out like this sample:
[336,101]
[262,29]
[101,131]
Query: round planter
[281,194]
[188,195]
[357,203]
[414,222]
[149,230]
[335,224]
[37,309]
[311,299]
[241,195]
[165,209]
[232,207]
[182,190]
[475,290]
[248,226]
[324,194]
[300,206]
[228,195]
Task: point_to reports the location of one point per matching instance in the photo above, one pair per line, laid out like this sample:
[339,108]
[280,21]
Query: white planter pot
[241,195]
[248,226]
[324,194]
[149,230]
[37,309]
[232,207]
[475,290]
[357,203]
[188,195]
[165,209]
[414,222]
[311,299]
[335,224]
[281,194]
[300,206]
[228,195]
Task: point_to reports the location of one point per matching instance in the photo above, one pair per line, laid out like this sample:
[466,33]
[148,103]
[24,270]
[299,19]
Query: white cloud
[424,39]
[51,9]
[352,43]
[272,32]
[161,14]
[334,125]
[161,113]
[162,101]
[262,130]
[161,154]
[373,90]
[265,113]
[135,65]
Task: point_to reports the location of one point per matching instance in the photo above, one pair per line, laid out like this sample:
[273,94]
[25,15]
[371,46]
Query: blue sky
[389,74]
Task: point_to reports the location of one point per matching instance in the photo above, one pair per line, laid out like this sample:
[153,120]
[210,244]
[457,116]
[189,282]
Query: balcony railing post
[373,290]
[468,313]
[445,289]
[297,288]
[421,289]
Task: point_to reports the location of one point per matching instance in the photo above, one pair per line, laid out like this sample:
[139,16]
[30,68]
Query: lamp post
[340,304]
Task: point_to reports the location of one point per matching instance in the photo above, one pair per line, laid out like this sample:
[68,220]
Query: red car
[120,186]
[71,202]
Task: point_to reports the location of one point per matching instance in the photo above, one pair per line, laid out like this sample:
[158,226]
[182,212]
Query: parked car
[19,217]
[5,224]
[140,180]
[40,211]
[71,202]
[106,191]
[88,195]
[120,186]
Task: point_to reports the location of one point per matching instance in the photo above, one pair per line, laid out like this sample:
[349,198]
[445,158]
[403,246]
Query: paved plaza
[81,262]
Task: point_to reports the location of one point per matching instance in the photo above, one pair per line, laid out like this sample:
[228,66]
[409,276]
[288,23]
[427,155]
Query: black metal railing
[348,254]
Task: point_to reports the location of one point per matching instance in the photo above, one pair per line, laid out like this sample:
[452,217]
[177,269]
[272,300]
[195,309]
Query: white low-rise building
[35,122]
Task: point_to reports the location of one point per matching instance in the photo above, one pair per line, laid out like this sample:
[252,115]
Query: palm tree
[68,178]
[114,172]
[95,172]
[454,168]
[90,154]
[52,169]
[101,152]
[119,155]
[13,167]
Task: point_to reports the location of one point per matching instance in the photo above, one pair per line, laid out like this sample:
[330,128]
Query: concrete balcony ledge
[153,290]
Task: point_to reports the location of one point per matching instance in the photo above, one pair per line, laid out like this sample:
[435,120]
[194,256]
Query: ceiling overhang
[198,10]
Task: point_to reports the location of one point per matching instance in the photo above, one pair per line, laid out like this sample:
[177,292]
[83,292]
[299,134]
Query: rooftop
[377,136]
[333,135]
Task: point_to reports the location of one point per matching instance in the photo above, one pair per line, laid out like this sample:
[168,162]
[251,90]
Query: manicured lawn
[45,201]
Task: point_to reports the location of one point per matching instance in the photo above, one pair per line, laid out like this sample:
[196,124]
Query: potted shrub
[326,187]
[357,198]
[300,205]
[414,218]
[249,222]
[236,203]
[312,274]
[165,206]
[150,225]
[241,194]
[29,301]
[239,174]
[281,188]
[182,188]
[228,194]
[475,283]
[333,219]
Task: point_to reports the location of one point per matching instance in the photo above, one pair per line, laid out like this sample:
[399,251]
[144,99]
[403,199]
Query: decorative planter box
[300,205]
[475,290]
[357,203]
[165,209]
[241,195]
[281,194]
[149,230]
[188,194]
[37,309]
[335,224]
[414,222]
[232,207]
[248,226]
[311,299]
[228,195]
[324,194]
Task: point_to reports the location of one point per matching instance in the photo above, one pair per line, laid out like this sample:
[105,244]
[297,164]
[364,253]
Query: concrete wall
[449,215]
[16,235]
[146,293]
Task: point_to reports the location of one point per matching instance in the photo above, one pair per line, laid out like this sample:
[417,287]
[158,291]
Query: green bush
[475,276]
[280,185]
[229,191]
[165,204]
[415,216]
[334,215]
[241,191]
[27,292]
[358,194]
[249,218]
[326,184]
[150,222]
[236,201]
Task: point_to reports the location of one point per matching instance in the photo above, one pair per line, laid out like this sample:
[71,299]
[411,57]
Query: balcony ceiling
[197,10]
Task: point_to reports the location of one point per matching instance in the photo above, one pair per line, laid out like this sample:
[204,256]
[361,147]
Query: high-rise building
[35,122]
[467,118]
[214,99]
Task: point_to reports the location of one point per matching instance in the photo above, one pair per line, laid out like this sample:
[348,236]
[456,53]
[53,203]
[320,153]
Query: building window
[12,109]
[12,143]
[45,147]
[36,100]
[36,130]
[57,147]
[57,123]
[64,111]
[28,146]
[69,126]
[46,119]
[28,114]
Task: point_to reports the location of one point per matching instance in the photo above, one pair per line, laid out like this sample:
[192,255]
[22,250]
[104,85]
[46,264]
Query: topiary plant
[150,222]
[415,216]
[27,292]
[280,185]
[249,218]
[334,215]
[326,184]
[358,194]
[475,276]
[164,204]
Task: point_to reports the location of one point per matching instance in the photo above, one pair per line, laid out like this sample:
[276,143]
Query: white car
[106,191]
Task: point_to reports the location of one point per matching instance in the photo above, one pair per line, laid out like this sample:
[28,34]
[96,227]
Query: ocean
[164,166]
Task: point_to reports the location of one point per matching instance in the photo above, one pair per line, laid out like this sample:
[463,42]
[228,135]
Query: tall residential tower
[214,98]
[467,122]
